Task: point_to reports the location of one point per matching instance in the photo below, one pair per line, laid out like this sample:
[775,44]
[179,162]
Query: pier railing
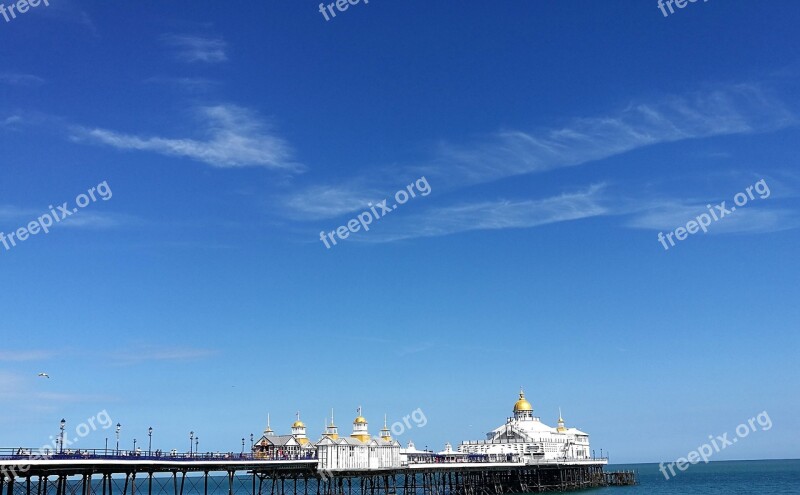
[156,456]
[112,454]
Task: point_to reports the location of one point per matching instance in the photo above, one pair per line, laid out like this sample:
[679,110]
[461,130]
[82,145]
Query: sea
[725,477]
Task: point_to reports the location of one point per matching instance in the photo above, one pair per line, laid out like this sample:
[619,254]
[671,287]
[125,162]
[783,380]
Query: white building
[272,446]
[359,450]
[525,436]
[412,455]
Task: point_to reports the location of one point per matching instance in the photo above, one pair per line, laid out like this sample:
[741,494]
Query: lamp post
[149,441]
[134,446]
[63,424]
[191,441]
[119,427]
[105,451]
[251,443]
[242,446]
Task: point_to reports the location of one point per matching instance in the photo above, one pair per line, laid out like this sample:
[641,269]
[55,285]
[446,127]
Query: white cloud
[26,355]
[30,393]
[194,84]
[137,355]
[748,219]
[491,215]
[15,79]
[234,138]
[317,202]
[192,48]
[13,217]
[10,121]
[736,110]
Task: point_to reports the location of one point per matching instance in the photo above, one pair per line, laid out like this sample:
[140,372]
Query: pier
[90,473]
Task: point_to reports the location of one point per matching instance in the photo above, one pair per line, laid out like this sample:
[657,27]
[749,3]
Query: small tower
[299,431]
[561,428]
[385,433]
[360,428]
[523,410]
[268,431]
[331,431]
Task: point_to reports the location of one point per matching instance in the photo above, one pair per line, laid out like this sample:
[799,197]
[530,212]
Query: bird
[44,375]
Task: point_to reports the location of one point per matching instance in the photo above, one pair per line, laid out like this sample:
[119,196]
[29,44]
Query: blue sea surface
[728,477]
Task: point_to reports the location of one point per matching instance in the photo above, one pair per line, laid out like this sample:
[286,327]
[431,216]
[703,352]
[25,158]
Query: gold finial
[298,423]
[522,404]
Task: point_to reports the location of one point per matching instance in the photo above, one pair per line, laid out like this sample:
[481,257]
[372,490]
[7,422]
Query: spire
[330,430]
[385,433]
[561,427]
[268,431]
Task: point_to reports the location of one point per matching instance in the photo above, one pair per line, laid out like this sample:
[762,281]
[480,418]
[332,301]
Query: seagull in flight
[43,375]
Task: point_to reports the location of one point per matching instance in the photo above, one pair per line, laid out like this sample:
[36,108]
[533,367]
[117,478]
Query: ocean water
[723,478]
[732,477]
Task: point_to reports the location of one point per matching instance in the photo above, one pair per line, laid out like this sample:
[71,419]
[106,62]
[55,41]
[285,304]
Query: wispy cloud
[420,347]
[194,48]
[737,109]
[138,355]
[493,215]
[194,84]
[16,79]
[26,355]
[27,392]
[12,213]
[10,383]
[95,220]
[11,120]
[751,219]
[14,216]
[319,201]
[235,137]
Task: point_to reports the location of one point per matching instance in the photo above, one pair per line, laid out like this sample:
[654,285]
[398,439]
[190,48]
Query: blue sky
[558,140]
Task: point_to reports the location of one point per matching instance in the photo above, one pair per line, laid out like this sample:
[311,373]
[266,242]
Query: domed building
[524,435]
[272,446]
[299,431]
[359,450]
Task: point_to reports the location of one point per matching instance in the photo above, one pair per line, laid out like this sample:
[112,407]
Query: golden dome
[360,420]
[522,404]
[298,424]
